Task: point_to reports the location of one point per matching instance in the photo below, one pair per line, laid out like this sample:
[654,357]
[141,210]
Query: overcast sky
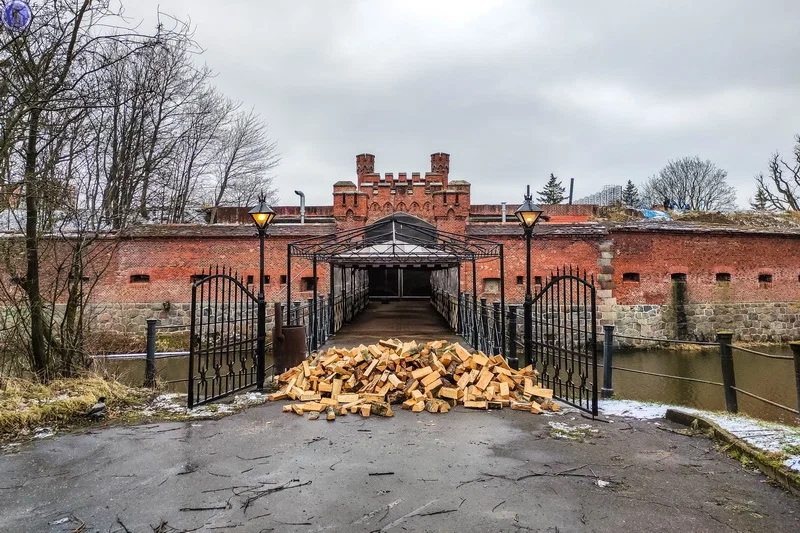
[599,91]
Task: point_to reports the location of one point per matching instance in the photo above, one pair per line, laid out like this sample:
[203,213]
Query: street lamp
[528,215]
[262,216]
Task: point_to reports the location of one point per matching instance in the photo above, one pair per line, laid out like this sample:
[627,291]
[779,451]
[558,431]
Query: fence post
[725,338]
[484,318]
[796,351]
[332,304]
[460,328]
[321,322]
[608,359]
[150,364]
[498,346]
[311,326]
[513,361]
[296,310]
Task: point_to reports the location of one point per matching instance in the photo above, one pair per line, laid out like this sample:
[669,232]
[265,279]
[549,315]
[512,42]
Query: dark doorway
[399,283]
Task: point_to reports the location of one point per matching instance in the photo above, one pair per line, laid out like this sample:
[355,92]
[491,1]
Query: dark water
[770,378]
[169,370]
[773,379]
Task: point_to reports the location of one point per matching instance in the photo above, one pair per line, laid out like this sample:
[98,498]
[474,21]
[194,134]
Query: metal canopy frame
[382,244]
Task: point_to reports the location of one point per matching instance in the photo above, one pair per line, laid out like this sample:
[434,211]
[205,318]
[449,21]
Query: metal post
[321,323]
[262,317]
[333,299]
[296,309]
[289,285]
[513,362]
[310,333]
[502,300]
[150,365]
[460,329]
[459,325]
[725,338]
[474,303]
[315,309]
[498,335]
[485,325]
[528,308]
[608,358]
[190,382]
[345,319]
[796,351]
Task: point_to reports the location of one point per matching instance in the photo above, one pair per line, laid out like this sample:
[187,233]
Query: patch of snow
[565,431]
[61,521]
[793,462]
[766,436]
[43,433]
[176,404]
[633,409]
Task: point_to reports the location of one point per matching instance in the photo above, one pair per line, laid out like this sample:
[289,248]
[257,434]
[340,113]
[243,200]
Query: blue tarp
[650,213]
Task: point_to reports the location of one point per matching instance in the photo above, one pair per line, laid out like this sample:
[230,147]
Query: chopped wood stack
[433,377]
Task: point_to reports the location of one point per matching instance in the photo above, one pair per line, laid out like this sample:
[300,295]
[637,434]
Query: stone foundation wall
[131,318]
[750,322]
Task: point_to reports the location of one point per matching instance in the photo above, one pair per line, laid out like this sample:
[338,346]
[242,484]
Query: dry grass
[25,405]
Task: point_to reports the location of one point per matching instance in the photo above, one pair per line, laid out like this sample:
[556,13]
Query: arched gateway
[399,256]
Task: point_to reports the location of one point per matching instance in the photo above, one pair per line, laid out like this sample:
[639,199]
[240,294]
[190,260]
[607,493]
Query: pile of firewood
[433,377]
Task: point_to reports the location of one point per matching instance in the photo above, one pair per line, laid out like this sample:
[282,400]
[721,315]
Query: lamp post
[528,215]
[262,216]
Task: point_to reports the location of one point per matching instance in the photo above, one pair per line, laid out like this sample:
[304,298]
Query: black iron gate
[223,346]
[564,338]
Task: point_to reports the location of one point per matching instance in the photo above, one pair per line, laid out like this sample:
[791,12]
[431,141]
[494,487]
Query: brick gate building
[745,279]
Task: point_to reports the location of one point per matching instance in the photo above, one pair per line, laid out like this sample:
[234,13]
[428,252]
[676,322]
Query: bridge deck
[406,320]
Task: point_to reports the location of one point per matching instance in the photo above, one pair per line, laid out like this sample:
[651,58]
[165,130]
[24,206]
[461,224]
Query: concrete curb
[784,476]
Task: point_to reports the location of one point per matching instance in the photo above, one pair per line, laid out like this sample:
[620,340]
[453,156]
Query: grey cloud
[600,91]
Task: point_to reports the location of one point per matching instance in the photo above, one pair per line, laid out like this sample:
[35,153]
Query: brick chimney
[440,164]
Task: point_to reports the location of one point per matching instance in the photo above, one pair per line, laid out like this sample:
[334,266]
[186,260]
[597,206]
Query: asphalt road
[263,470]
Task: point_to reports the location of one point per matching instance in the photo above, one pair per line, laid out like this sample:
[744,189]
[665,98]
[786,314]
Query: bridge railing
[479,322]
[331,314]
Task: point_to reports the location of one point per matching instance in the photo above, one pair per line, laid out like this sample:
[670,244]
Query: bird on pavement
[98,410]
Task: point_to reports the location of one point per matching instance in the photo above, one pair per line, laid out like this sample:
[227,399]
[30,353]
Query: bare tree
[780,189]
[48,82]
[245,158]
[101,127]
[693,184]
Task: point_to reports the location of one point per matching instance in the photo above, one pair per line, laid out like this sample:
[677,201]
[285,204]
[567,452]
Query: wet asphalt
[264,470]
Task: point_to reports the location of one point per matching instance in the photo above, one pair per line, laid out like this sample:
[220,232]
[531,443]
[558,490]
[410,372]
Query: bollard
[513,361]
[150,363]
[725,338]
[608,358]
[796,351]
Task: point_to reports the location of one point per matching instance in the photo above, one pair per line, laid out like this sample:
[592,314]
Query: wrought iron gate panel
[564,339]
[224,337]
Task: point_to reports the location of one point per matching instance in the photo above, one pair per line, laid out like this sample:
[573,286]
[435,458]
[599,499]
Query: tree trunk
[38,349]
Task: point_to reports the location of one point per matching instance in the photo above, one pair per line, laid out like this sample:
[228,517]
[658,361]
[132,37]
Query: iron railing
[726,347]
[333,313]
[562,324]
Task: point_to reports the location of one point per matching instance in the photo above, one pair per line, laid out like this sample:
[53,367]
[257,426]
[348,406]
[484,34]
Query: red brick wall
[547,254]
[170,263]
[656,256]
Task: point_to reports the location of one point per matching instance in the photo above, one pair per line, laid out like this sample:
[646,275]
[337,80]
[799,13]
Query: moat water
[769,378]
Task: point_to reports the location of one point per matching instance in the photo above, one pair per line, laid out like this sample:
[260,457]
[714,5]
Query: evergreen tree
[553,193]
[630,195]
[761,200]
